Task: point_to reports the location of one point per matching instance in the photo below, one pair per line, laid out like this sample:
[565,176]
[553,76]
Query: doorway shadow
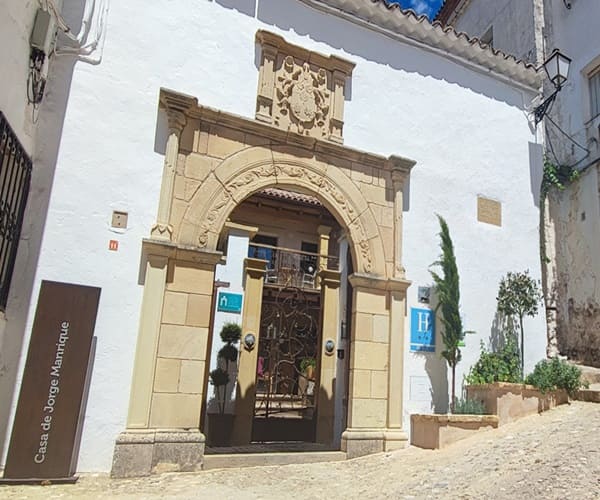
[436,367]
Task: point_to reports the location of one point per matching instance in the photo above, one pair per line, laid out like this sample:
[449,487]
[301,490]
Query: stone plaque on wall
[45,436]
[489,211]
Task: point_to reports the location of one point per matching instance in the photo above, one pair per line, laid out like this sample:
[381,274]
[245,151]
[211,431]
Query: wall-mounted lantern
[249,341]
[557,70]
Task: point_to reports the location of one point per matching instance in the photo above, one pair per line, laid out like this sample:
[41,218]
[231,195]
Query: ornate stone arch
[255,168]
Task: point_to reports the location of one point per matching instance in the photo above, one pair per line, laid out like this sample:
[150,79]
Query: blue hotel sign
[422,330]
[229,302]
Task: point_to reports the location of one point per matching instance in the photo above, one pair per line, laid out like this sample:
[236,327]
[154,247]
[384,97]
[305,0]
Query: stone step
[591,395]
[226,461]
[589,373]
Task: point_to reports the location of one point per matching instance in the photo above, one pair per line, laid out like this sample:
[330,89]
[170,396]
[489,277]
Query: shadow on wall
[50,122]
[503,327]
[536,170]
[247,7]
[436,366]
[333,31]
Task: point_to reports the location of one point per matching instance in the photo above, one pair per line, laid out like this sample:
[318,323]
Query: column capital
[400,168]
[185,253]
[177,121]
[176,105]
[255,268]
[324,230]
[330,278]
[373,282]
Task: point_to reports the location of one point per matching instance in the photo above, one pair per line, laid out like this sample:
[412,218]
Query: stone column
[376,366]
[330,305]
[147,343]
[394,435]
[400,171]
[246,386]
[324,232]
[369,359]
[166,394]
[163,230]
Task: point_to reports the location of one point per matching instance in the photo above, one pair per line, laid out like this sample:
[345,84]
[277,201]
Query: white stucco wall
[467,131]
[512,21]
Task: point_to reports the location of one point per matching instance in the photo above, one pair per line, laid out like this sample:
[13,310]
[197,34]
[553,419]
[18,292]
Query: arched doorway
[214,162]
[298,385]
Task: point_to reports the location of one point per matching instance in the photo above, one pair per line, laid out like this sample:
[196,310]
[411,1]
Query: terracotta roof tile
[290,196]
[405,22]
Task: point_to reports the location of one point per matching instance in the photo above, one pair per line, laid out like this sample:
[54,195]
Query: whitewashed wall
[512,22]
[467,131]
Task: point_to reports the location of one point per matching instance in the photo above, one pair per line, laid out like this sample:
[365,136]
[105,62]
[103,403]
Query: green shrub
[501,366]
[306,362]
[219,377]
[465,406]
[553,374]
[231,333]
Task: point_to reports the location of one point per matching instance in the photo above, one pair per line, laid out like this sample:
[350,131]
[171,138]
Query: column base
[360,442]
[152,451]
[395,439]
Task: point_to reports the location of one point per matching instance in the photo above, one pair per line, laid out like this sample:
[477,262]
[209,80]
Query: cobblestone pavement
[554,455]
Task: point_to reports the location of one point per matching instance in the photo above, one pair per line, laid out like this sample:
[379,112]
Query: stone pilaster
[330,305]
[400,171]
[266,84]
[166,393]
[162,230]
[376,365]
[246,386]
[395,437]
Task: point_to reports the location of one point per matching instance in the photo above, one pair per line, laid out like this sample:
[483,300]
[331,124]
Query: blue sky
[428,7]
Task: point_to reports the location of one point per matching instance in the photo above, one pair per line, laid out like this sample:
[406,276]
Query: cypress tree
[448,293]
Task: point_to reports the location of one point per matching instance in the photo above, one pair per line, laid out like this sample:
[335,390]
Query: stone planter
[513,401]
[220,428]
[438,431]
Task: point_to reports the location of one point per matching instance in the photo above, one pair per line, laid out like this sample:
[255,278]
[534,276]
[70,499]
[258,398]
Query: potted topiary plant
[307,367]
[220,424]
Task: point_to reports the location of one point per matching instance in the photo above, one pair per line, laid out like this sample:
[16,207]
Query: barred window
[15,177]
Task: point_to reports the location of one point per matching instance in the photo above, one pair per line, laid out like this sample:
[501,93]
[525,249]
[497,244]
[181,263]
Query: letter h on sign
[422,330]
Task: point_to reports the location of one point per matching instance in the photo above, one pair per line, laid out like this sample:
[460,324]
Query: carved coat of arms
[302,95]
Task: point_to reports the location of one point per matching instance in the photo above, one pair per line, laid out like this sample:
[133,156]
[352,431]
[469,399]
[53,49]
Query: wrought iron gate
[287,381]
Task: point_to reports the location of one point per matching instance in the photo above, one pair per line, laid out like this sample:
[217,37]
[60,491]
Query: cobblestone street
[552,455]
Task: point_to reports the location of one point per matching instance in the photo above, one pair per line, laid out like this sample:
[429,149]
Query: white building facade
[570,133]
[449,104]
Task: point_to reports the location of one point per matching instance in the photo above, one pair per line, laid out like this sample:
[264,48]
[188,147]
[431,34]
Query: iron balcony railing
[287,267]
[15,177]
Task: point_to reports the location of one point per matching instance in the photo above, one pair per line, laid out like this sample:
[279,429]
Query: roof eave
[406,26]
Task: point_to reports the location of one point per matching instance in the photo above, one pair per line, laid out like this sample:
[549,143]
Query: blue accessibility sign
[229,302]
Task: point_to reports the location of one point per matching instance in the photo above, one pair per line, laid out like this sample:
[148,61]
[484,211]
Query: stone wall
[577,220]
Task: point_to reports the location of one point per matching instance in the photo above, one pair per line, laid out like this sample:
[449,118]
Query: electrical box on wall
[43,32]
[119,219]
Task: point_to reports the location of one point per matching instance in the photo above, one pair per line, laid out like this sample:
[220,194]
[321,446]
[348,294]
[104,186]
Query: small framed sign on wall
[422,330]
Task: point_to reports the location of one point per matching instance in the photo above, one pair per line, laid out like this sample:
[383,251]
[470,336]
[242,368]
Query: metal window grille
[595,93]
[15,177]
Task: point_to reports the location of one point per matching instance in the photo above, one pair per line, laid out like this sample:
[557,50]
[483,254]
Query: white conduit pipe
[51,7]
[83,50]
